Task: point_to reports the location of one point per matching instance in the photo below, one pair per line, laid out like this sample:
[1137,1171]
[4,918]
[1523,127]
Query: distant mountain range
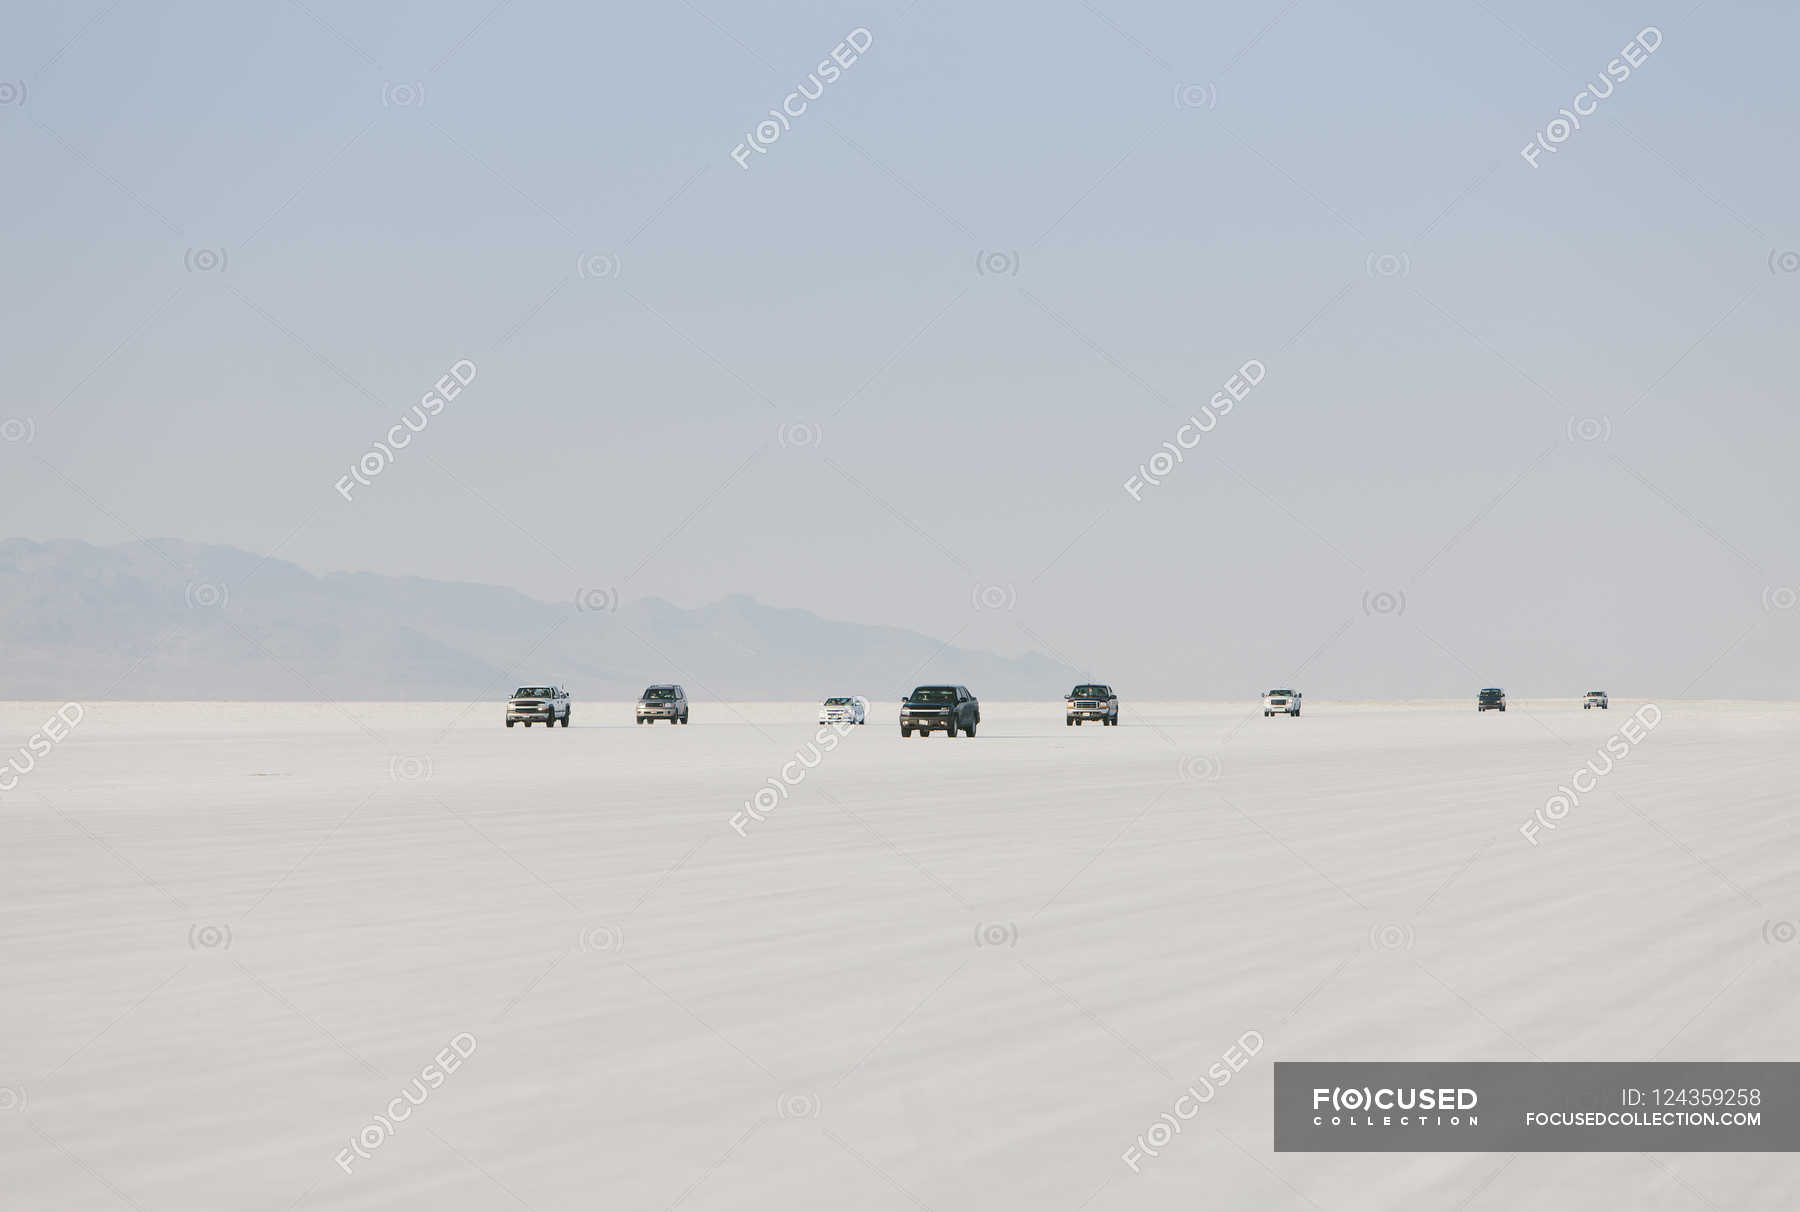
[165,619]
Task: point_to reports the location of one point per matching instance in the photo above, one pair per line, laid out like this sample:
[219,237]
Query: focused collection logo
[1394,1106]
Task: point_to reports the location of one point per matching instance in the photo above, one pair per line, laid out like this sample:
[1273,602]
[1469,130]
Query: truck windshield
[1089,692]
[934,694]
[533,692]
[659,692]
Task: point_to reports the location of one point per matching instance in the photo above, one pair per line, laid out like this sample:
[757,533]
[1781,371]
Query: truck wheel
[1069,720]
[951,730]
[566,719]
[904,731]
[510,723]
[969,731]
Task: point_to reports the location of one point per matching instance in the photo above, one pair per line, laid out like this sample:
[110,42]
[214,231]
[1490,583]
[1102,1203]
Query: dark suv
[931,708]
[1493,698]
[1091,701]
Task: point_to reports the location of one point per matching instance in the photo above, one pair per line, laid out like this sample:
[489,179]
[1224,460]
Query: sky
[906,356]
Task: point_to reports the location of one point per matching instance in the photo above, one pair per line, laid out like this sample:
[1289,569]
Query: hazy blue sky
[1552,407]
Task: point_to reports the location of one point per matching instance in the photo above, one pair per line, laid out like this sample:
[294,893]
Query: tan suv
[664,701]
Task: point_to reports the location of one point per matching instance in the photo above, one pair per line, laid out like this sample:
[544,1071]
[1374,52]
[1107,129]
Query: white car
[844,709]
[1281,702]
[1595,698]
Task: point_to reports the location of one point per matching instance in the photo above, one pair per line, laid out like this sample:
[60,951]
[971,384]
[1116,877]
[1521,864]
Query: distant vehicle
[665,701]
[933,708]
[1281,702]
[1595,698]
[532,704]
[1091,701]
[846,709]
[1493,698]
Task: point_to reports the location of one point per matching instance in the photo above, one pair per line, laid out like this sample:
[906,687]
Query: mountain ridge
[167,619]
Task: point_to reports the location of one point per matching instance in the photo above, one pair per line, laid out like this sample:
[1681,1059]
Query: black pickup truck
[947,708]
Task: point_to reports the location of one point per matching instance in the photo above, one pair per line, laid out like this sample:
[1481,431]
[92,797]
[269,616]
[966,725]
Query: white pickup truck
[1281,702]
[548,705]
[1595,698]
